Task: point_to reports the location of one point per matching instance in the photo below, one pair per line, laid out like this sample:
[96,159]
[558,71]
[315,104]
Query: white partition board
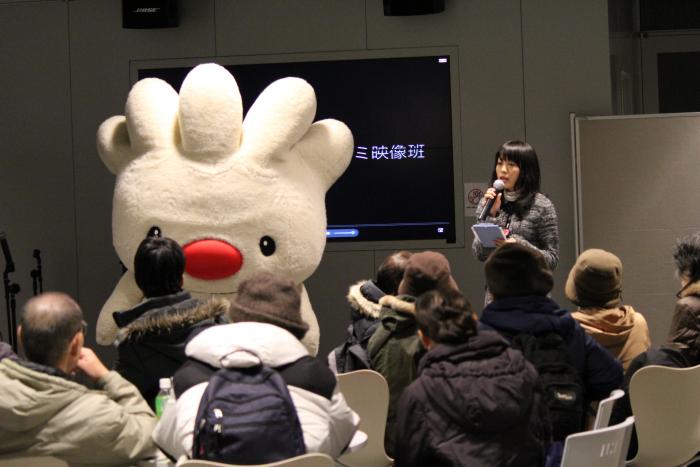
[636,183]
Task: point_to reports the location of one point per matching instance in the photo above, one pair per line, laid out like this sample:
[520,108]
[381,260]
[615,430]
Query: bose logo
[146,10]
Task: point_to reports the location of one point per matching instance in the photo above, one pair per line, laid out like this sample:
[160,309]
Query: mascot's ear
[211,112]
[150,123]
[327,148]
[280,116]
[113,144]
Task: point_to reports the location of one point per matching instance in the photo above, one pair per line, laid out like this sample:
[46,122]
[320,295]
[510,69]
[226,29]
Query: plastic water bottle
[164,395]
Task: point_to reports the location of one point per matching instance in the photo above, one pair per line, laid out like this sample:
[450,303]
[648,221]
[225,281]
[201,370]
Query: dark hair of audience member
[525,157]
[49,323]
[158,266]
[687,257]
[445,318]
[390,272]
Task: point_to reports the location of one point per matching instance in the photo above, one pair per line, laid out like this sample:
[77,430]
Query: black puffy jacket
[474,404]
[153,335]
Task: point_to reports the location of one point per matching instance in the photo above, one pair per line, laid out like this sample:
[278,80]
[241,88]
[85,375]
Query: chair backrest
[32,461]
[666,410]
[605,447]
[602,417]
[367,393]
[314,459]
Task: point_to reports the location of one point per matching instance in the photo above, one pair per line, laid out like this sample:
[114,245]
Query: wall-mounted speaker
[413,7]
[147,14]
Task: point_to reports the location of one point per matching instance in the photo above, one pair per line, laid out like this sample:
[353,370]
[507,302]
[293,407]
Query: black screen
[400,183]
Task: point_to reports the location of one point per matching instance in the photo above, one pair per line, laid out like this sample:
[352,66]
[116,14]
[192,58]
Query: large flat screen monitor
[401,189]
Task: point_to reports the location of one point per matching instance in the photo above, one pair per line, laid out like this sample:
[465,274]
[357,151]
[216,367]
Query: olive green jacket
[48,415]
[394,351]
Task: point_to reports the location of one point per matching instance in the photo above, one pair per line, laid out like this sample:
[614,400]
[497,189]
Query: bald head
[49,323]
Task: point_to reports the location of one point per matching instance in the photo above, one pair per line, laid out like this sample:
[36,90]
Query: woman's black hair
[390,272]
[445,317]
[528,184]
[158,266]
[687,257]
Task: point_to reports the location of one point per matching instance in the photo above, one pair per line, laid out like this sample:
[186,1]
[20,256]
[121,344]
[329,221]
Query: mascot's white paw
[240,196]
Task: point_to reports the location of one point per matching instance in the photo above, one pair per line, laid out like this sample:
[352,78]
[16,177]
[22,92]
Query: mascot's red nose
[212,259]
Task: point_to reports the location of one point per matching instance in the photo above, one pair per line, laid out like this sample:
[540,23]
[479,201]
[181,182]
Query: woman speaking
[525,215]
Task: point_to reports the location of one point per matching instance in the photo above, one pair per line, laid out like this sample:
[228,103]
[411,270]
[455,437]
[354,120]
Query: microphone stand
[37,274]
[11,290]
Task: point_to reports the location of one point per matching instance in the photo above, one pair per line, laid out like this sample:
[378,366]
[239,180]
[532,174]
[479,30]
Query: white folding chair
[605,447]
[367,393]
[602,416]
[666,410]
[32,461]
[306,460]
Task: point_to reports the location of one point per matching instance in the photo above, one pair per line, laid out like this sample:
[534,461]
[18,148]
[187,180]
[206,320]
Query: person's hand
[499,241]
[491,194]
[89,364]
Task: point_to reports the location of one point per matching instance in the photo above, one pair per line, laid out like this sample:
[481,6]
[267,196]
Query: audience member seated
[682,347]
[595,285]
[519,279]
[43,412]
[364,312]
[394,349]
[476,400]
[267,327]
[152,335]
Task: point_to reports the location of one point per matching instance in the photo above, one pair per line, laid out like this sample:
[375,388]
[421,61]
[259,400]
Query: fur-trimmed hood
[364,298]
[169,318]
[404,304]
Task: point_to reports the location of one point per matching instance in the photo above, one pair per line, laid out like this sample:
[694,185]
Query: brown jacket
[621,330]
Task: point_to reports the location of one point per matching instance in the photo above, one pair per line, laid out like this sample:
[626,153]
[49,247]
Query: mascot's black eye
[154,232]
[267,245]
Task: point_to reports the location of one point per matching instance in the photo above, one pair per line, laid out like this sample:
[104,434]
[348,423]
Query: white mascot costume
[240,196]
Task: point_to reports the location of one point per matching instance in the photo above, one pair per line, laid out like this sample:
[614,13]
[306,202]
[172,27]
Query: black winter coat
[599,371]
[153,336]
[474,404]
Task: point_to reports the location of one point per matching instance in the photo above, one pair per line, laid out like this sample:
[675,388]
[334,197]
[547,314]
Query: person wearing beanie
[595,285]
[266,327]
[363,298]
[520,280]
[394,349]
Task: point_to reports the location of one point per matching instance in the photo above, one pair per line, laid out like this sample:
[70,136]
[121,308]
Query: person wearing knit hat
[266,329]
[394,349]
[272,299]
[520,281]
[595,285]
[516,270]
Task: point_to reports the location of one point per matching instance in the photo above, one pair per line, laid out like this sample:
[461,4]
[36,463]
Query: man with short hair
[43,411]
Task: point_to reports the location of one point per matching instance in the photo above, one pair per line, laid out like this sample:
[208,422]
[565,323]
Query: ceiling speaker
[413,7]
[148,14]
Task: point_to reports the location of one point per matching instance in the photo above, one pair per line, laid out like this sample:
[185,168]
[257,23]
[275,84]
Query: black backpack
[246,416]
[352,354]
[563,389]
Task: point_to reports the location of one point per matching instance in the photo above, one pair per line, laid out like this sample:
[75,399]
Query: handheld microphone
[9,264]
[499,186]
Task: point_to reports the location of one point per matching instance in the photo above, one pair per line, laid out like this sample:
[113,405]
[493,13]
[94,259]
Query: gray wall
[524,66]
